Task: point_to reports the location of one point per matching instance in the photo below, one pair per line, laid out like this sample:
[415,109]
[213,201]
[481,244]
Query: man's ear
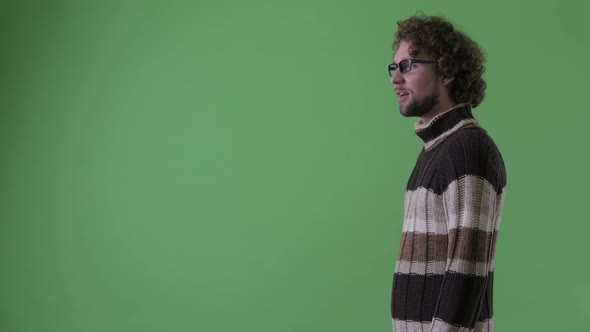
[447,80]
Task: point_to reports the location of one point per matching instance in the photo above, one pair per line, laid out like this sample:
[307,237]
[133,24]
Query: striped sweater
[445,266]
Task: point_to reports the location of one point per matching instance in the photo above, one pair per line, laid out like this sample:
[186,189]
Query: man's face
[417,90]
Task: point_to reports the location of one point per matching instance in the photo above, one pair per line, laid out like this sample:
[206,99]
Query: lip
[401,95]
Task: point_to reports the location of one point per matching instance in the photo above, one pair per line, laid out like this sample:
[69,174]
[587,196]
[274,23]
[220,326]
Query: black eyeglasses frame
[394,66]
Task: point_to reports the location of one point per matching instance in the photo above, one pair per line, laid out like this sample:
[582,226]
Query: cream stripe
[485,326]
[461,124]
[421,268]
[424,226]
[409,326]
[500,208]
[472,202]
[425,210]
[419,125]
[439,268]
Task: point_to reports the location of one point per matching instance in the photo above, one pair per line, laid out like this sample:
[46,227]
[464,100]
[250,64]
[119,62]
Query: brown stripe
[471,244]
[420,247]
[465,243]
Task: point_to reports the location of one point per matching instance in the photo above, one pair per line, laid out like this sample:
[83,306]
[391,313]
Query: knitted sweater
[445,266]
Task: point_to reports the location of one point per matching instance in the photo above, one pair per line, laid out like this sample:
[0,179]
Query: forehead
[402,52]
[405,51]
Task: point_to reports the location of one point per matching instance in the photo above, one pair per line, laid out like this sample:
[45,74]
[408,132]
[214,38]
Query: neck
[441,107]
[445,124]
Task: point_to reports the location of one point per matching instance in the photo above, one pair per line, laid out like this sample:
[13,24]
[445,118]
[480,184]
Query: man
[444,270]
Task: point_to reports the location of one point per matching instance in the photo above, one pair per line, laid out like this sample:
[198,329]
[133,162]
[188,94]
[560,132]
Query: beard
[420,107]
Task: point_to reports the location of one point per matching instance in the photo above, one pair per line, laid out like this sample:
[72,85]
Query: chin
[405,112]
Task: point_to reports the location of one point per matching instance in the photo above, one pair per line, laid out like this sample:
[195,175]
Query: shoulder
[472,152]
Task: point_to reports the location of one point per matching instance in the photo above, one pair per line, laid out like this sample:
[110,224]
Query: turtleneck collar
[445,124]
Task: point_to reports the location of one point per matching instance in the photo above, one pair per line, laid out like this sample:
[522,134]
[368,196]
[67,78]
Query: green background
[241,165]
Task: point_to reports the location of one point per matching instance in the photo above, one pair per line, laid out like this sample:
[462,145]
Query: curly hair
[456,55]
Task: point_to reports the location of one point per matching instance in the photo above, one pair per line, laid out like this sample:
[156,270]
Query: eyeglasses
[405,65]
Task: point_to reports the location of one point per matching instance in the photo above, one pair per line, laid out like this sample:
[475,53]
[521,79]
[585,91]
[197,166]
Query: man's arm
[472,204]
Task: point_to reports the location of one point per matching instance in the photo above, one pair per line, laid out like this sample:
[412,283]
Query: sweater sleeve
[472,202]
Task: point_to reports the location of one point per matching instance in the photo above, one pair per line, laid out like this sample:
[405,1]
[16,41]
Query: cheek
[426,87]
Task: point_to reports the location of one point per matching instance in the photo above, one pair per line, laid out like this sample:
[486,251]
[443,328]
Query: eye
[404,66]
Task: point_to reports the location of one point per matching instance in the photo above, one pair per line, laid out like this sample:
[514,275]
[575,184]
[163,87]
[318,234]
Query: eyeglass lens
[404,66]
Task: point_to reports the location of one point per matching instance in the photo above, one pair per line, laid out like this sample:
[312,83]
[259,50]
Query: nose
[397,77]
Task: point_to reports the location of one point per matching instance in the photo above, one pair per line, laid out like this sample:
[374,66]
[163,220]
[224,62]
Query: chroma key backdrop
[235,165]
